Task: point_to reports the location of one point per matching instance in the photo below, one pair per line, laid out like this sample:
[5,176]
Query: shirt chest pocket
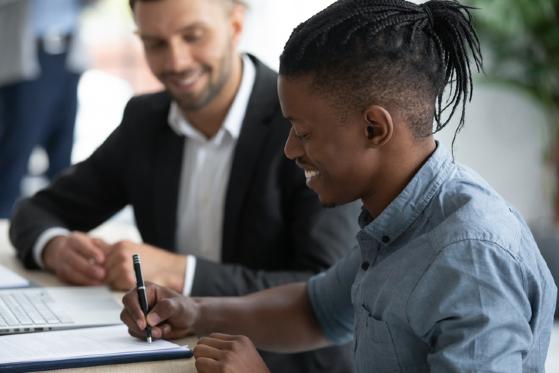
[373,346]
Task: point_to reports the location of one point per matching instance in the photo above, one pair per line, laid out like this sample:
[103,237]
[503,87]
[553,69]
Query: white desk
[8,259]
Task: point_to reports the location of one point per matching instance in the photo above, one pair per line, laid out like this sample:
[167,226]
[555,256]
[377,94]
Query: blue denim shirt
[446,279]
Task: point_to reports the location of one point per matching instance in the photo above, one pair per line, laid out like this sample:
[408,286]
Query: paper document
[9,279]
[76,344]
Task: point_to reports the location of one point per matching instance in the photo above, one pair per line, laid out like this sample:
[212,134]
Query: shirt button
[385,239]
[364,266]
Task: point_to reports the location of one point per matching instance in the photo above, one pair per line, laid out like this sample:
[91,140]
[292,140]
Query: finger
[67,273]
[84,245]
[163,310]
[130,321]
[118,255]
[132,306]
[77,268]
[102,244]
[202,350]
[120,278]
[216,343]
[207,365]
[138,334]
[166,331]
[119,268]
[225,337]
[121,283]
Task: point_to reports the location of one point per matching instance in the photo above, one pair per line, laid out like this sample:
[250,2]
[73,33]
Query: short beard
[213,90]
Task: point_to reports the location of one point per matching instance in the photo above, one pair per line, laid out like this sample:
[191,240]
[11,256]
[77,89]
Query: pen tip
[149,339]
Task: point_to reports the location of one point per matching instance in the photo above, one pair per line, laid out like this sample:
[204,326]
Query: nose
[179,56]
[293,148]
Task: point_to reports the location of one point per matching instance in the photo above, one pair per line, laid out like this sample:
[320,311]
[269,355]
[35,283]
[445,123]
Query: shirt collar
[412,201]
[234,118]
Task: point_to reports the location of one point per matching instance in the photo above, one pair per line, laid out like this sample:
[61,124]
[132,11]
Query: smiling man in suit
[220,210]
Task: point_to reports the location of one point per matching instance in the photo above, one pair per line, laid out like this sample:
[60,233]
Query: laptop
[56,308]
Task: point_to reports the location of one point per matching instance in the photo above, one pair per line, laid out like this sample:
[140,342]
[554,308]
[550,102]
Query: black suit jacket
[274,229]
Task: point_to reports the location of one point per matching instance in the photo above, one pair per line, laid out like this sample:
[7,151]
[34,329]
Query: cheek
[155,61]
[347,168]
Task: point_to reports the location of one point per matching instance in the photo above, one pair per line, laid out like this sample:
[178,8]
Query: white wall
[270,22]
[504,141]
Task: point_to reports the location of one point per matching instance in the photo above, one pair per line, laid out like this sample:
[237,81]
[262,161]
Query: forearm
[218,279]
[278,319]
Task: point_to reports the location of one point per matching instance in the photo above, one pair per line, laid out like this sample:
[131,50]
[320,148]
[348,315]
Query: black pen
[141,291]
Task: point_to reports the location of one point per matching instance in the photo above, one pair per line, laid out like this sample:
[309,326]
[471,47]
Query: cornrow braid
[390,52]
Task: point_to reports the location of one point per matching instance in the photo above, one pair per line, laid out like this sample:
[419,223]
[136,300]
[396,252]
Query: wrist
[200,322]
[210,315]
[174,274]
[51,252]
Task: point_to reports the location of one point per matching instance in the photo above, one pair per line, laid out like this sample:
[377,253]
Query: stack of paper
[9,279]
[81,347]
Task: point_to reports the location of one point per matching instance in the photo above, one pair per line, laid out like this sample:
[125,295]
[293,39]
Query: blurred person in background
[40,66]
[220,209]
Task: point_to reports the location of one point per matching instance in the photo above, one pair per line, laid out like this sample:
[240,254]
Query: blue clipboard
[90,361]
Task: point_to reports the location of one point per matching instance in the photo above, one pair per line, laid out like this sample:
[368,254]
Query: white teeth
[311,173]
[191,79]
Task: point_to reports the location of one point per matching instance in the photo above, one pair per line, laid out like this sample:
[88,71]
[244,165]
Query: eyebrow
[184,29]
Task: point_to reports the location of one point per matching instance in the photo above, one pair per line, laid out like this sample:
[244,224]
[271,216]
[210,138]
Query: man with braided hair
[446,276]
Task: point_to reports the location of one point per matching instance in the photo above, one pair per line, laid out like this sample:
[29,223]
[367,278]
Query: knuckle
[235,346]
[121,255]
[166,304]
[244,340]
[126,299]
[119,246]
[226,361]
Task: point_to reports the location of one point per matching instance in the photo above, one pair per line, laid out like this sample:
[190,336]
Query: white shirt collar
[234,119]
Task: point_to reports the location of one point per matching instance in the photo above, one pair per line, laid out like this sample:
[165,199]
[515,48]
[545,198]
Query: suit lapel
[168,166]
[262,105]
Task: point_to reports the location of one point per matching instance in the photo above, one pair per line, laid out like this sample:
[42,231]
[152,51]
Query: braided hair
[392,53]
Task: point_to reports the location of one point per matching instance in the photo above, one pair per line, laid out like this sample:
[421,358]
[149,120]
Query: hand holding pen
[171,316]
[141,289]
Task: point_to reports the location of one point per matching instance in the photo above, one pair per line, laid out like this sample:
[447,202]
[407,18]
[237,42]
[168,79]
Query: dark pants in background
[33,113]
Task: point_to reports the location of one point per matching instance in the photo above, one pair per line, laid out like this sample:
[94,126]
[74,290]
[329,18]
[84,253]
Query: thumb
[163,310]
[102,244]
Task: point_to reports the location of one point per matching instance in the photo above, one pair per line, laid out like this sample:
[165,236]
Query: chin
[327,202]
[329,205]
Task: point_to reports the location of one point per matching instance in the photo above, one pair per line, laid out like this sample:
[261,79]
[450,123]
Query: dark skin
[371,156]
[227,353]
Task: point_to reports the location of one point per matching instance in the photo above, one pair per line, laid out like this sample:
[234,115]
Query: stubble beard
[213,89]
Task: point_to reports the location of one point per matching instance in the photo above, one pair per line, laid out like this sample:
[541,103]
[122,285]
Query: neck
[210,118]
[403,162]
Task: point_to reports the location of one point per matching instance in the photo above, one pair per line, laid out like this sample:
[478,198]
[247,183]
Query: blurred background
[512,124]
[509,128]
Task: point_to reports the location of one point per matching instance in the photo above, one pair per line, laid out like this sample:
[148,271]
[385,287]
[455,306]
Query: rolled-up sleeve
[330,297]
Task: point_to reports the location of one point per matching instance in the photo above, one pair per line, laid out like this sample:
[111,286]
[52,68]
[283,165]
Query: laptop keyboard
[24,309]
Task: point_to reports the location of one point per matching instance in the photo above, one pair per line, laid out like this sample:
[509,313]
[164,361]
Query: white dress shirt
[204,179]
[206,166]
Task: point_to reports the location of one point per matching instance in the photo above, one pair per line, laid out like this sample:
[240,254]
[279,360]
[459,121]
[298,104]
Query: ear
[237,19]
[378,125]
